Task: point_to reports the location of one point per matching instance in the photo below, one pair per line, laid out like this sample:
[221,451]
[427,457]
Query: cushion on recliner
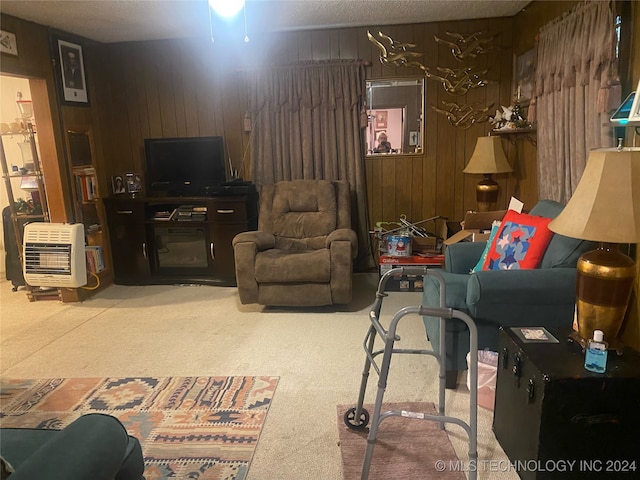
[311,243]
[304,208]
[283,266]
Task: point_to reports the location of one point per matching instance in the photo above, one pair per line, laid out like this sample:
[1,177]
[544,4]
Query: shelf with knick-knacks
[513,123]
[23,175]
[513,134]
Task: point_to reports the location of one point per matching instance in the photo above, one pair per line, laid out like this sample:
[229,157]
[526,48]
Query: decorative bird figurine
[465,47]
[464,116]
[396,54]
[459,81]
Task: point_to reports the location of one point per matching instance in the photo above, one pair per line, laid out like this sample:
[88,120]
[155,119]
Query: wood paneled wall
[187,87]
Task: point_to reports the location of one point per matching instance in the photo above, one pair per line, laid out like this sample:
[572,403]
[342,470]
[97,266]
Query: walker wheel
[350,419]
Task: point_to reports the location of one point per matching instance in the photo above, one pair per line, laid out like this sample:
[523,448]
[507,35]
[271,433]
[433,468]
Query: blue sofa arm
[542,297]
[462,257]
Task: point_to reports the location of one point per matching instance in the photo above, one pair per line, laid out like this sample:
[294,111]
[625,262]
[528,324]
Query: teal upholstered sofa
[541,297]
[93,447]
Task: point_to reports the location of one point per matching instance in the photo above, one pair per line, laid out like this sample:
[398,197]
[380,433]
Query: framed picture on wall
[8,43]
[524,69]
[381,119]
[70,72]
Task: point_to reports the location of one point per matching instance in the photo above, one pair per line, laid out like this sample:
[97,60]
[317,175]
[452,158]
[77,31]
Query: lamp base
[487,193]
[604,283]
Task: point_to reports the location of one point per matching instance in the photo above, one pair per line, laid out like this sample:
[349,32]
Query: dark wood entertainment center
[168,240]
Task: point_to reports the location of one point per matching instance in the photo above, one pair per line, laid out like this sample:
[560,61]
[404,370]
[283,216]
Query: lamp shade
[488,157]
[605,206]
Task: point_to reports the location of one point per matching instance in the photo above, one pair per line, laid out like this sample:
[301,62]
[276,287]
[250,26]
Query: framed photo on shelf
[117,185]
[70,73]
[133,182]
[524,70]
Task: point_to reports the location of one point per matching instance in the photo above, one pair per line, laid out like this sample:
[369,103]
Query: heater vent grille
[48,258]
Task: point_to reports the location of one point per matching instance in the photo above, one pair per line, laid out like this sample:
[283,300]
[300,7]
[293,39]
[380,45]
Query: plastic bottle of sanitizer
[595,359]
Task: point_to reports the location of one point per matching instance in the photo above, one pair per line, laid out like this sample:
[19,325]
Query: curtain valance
[308,85]
[577,47]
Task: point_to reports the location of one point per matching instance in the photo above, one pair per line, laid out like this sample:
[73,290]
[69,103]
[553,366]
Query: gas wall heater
[54,255]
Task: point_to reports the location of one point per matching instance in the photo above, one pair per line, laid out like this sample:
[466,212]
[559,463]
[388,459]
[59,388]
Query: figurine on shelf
[511,118]
[517,116]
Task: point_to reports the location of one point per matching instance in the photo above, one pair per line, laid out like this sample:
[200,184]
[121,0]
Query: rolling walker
[357,418]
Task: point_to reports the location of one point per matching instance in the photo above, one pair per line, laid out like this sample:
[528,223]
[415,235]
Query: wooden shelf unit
[88,207]
[31,180]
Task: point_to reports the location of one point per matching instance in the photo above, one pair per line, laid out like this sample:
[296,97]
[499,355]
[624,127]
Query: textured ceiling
[134,20]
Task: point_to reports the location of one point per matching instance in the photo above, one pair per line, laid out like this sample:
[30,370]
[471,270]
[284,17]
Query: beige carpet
[173,331]
[405,449]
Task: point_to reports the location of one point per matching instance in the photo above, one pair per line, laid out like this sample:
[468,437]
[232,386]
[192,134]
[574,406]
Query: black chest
[556,420]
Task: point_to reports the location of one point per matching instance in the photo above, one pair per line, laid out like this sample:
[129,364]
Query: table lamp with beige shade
[488,158]
[604,208]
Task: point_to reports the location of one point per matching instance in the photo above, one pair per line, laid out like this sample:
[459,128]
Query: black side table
[556,420]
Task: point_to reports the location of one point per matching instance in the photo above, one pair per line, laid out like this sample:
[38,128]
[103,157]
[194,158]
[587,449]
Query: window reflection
[395,112]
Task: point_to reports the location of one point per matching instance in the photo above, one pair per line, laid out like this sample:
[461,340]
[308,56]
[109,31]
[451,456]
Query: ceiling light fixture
[227,8]
[246,35]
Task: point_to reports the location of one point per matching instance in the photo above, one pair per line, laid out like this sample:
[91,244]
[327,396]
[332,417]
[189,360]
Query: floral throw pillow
[520,243]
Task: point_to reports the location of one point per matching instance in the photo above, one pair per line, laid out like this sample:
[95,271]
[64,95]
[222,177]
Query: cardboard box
[423,244]
[477,227]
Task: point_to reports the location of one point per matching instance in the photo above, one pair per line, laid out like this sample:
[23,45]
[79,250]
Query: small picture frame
[534,335]
[117,185]
[133,182]
[71,75]
[381,119]
[8,43]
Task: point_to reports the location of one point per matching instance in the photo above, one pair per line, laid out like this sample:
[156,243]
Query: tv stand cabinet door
[221,247]
[129,249]
[229,216]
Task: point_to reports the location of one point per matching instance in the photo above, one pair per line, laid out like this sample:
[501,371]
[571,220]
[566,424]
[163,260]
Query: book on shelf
[192,213]
[165,215]
[95,260]
[86,187]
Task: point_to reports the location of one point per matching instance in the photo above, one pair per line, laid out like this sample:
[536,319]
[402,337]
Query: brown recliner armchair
[302,253]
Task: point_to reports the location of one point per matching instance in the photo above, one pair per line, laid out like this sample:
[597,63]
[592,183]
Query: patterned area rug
[189,427]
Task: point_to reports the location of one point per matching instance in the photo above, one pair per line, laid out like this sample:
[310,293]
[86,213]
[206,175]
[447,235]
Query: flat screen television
[182,167]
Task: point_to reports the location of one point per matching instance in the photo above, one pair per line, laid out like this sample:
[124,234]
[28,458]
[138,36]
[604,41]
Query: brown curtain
[306,125]
[576,85]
